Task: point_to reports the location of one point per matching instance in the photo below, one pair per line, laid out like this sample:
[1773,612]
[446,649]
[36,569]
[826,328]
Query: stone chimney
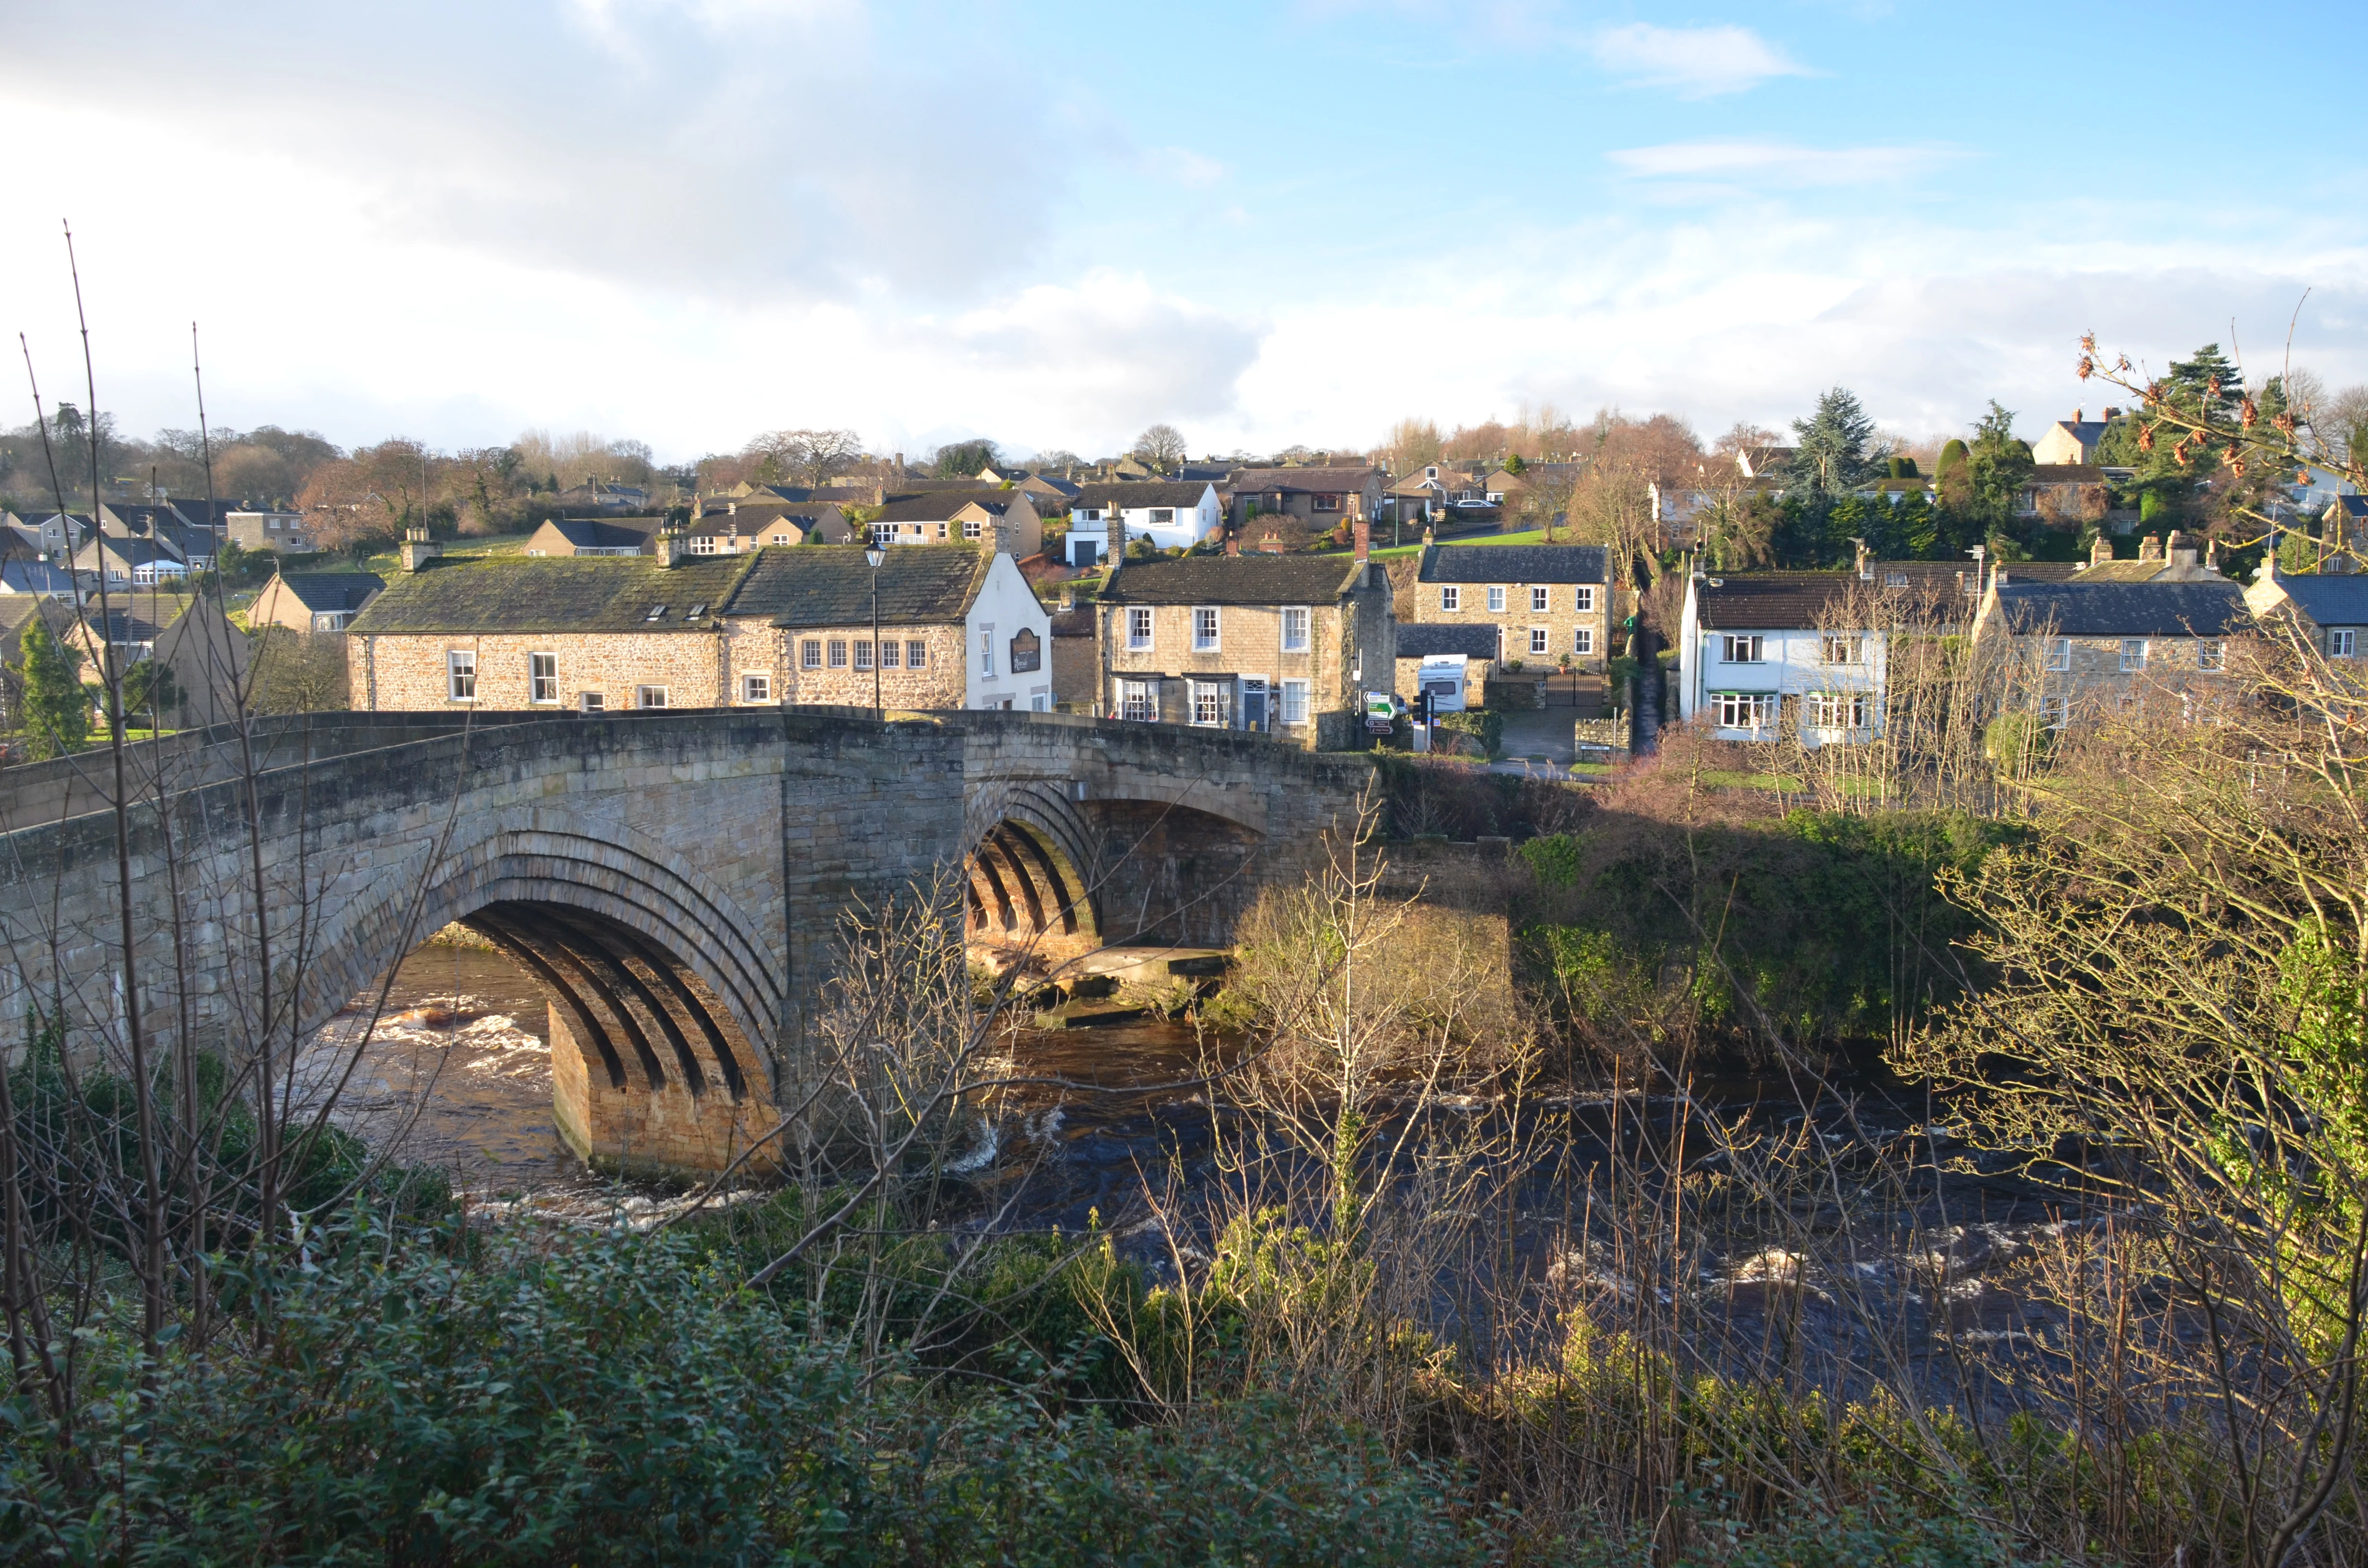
[2112,415]
[670,546]
[1272,544]
[1232,543]
[418,549]
[2150,549]
[1361,532]
[1429,537]
[2079,415]
[2100,551]
[1862,560]
[2182,550]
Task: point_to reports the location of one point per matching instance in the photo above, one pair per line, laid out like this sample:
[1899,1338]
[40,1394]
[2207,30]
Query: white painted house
[1168,513]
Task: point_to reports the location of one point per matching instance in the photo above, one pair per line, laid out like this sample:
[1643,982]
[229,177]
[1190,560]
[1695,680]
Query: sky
[687,221]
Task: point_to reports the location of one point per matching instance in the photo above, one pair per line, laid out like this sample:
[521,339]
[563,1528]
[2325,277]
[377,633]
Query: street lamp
[874,553]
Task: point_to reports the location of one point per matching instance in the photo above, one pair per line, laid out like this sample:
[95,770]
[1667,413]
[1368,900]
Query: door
[1254,703]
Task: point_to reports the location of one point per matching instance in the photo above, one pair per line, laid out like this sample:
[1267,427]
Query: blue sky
[691,220]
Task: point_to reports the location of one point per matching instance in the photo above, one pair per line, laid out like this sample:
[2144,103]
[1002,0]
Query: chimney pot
[2151,548]
[2100,551]
[2079,416]
[1362,532]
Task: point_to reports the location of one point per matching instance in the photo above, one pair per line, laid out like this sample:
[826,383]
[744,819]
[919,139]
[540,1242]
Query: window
[2211,654]
[460,674]
[1294,702]
[1027,651]
[1538,641]
[1208,702]
[884,533]
[1744,710]
[1450,598]
[781,538]
[810,654]
[1138,700]
[2059,653]
[1538,600]
[755,688]
[703,544]
[649,696]
[1584,641]
[2344,642]
[2054,711]
[917,655]
[862,653]
[1742,648]
[1040,703]
[2134,652]
[658,612]
[1162,516]
[1838,710]
[591,702]
[1838,648]
[543,677]
[1496,598]
[973,529]
[1895,579]
[1585,601]
[839,653]
[890,653]
[1325,503]
[1295,631]
[1204,630]
[1138,627]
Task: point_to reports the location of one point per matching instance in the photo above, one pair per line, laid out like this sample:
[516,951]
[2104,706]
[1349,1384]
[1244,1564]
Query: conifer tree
[56,709]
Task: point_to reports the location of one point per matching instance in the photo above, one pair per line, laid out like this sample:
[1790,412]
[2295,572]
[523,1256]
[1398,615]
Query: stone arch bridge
[674,882]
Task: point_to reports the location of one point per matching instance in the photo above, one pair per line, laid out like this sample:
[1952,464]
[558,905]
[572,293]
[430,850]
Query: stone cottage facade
[1549,604]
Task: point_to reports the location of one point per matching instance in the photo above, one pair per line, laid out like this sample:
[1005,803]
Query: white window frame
[642,695]
[755,688]
[891,653]
[1496,598]
[1141,628]
[834,655]
[1747,710]
[1838,711]
[1208,630]
[2059,653]
[1583,641]
[703,544]
[1841,648]
[1451,598]
[461,674]
[1139,700]
[1541,641]
[1541,601]
[2134,655]
[2344,642]
[862,653]
[1583,600]
[1292,704]
[1294,629]
[973,529]
[916,653]
[810,654]
[1742,648]
[1207,699]
[986,653]
[543,677]
[2054,712]
[2210,654]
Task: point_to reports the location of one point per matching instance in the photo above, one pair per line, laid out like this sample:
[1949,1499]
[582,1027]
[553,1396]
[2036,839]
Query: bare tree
[1161,446]
[808,458]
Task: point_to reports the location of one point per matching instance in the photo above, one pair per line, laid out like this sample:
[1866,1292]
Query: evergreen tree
[56,709]
[1997,466]
[1835,450]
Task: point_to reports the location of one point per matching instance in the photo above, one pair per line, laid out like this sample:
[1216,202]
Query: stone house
[1549,604]
[596,496]
[958,629]
[1006,520]
[289,533]
[1170,513]
[1319,497]
[314,601]
[1283,644]
[1430,490]
[2329,609]
[16,615]
[592,536]
[2082,645]
[2072,440]
[186,633]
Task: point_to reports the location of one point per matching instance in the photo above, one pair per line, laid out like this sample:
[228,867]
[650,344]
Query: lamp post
[875,554]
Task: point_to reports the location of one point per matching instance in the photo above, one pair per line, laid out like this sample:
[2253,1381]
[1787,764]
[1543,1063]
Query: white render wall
[1005,605]
[1792,664]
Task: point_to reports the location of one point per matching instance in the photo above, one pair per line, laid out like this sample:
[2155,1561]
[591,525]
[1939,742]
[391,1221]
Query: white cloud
[1780,163]
[1700,63]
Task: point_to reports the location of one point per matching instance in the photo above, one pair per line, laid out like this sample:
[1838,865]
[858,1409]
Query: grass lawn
[1724,780]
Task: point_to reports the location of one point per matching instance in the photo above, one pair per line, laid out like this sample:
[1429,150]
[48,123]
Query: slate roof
[2066,473]
[1133,494]
[1802,601]
[2330,599]
[1421,640]
[2122,609]
[939,507]
[1253,579]
[2354,508]
[830,584]
[1337,478]
[615,533]
[1077,622]
[319,591]
[555,594]
[1512,563]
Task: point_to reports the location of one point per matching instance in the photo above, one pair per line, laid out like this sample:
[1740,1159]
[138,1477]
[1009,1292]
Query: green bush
[1475,732]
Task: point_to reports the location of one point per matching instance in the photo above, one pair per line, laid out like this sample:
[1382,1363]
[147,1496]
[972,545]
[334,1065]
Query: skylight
[658,612]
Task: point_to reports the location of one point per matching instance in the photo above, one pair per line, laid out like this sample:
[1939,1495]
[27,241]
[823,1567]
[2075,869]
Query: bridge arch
[1031,872]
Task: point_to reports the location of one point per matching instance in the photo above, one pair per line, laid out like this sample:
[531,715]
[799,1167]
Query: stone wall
[938,683]
[410,674]
[1561,621]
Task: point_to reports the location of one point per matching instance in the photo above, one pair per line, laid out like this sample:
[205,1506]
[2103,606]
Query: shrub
[1478,730]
